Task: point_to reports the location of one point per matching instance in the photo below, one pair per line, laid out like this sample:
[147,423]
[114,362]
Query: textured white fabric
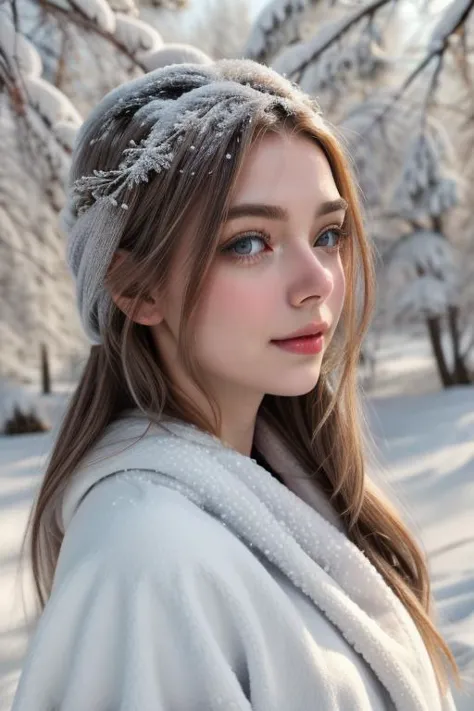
[195,581]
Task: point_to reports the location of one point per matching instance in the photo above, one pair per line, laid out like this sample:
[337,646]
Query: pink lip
[312,329]
[305,345]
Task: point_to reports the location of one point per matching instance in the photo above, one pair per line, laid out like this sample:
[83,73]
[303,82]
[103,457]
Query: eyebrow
[275,212]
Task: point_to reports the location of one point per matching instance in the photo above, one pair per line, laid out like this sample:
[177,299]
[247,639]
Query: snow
[209,111]
[426,448]
[174,53]
[337,67]
[66,133]
[99,11]
[129,7]
[428,451]
[451,18]
[136,35]
[424,188]
[36,292]
[17,50]
[294,58]
[51,103]
[217,27]
[276,25]
[421,275]
[256,6]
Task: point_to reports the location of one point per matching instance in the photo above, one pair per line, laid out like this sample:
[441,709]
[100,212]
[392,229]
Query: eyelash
[265,237]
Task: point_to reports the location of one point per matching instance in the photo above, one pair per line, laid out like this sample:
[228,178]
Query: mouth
[306,337]
[304,345]
[312,330]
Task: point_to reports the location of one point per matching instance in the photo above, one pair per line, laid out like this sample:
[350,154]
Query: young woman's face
[278,268]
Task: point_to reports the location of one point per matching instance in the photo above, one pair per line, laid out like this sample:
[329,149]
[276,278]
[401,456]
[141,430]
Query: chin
[293,387]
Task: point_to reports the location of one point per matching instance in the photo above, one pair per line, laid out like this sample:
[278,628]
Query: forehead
[284,169]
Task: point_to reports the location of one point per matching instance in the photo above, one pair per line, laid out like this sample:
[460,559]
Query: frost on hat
[210,104]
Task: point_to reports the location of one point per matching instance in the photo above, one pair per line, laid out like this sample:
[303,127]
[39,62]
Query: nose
[312,276]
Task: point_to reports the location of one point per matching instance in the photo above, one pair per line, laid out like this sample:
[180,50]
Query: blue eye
[334,235]
[242,248]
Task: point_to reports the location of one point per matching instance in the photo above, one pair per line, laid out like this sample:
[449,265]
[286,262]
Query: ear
[148,314]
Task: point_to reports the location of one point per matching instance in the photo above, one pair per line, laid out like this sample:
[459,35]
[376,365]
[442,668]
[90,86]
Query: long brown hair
[323,428]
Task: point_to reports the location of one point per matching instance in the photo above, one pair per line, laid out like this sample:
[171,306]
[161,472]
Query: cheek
[234,301]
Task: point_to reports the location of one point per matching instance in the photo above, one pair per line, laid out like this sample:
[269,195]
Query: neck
[239,435]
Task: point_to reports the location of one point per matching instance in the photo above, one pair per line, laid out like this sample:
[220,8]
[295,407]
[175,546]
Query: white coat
[191,579]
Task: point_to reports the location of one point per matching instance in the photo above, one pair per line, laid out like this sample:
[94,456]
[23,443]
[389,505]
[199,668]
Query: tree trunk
[433,324]
[45,372]
[461,374]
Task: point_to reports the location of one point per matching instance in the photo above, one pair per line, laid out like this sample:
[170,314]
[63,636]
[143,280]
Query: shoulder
[129,524]
[143,577]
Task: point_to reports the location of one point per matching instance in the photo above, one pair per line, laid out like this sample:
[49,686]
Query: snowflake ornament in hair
[211,103]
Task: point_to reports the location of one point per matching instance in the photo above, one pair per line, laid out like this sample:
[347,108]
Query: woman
[206,536]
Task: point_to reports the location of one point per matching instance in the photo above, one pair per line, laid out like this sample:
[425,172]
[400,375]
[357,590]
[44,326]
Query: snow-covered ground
[426,443]
[427,446]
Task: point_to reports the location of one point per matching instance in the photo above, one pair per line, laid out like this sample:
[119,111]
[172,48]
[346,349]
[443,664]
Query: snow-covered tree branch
[277,25]
[126,33]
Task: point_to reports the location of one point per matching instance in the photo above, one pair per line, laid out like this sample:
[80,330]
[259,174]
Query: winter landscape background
[396,79]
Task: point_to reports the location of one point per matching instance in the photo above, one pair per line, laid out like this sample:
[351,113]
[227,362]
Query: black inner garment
[260,459]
